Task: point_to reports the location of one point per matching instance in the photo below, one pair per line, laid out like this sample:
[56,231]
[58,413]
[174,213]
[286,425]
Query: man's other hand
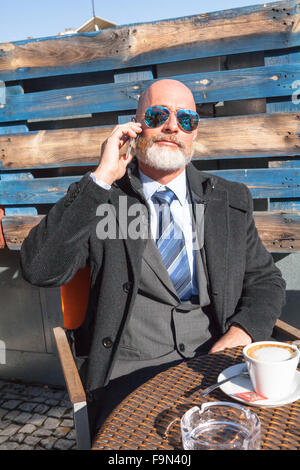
[235,336]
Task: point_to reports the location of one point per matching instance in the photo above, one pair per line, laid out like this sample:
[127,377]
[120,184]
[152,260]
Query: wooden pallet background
[61,96]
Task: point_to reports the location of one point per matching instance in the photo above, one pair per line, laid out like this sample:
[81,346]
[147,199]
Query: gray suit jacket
[245,287]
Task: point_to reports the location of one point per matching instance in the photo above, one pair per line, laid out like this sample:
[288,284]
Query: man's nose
[171,125]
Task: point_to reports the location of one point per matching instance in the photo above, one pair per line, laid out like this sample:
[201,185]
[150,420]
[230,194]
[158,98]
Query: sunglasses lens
[187,119]
[155,116]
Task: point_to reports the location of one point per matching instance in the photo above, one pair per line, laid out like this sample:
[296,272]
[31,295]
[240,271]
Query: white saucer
[243,384]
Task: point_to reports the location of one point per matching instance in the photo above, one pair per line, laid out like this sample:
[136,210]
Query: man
[156,299]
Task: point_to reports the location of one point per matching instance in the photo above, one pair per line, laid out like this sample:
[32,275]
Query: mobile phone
[131,142]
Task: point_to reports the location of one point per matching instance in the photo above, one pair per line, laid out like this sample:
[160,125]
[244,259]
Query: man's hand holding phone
[112,166]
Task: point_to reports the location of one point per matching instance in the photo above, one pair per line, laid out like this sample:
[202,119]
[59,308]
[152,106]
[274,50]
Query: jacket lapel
[203,190]
[152,257]
[122,198]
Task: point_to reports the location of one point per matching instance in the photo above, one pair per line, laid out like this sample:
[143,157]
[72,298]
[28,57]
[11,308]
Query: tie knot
[166,196]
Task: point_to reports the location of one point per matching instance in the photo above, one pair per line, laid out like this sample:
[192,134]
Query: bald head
[165,148]
[166,91]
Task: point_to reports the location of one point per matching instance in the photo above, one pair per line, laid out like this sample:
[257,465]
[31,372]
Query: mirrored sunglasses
[187,119]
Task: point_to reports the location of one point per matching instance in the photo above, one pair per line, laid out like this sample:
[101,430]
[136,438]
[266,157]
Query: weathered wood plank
[284,163]
[226,137]
[248,83]
[16,228]
[279,231]
[248,136]
[55,148]
[255,28]
[263,183]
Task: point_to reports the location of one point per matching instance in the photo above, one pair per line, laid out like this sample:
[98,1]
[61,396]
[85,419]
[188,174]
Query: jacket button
[107,343]
[127,287]
[181,347]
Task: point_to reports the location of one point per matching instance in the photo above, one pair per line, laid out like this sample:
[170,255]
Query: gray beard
[163,158]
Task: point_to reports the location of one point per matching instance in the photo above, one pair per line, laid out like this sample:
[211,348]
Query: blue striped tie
[171,245]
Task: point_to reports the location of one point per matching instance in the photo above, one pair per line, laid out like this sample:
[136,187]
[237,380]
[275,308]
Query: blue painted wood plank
[124,119]
[284,56]
[134,76]
[255,82]
[36,191]
[126,77]
[263,183]
[288,204]
[16,176]
[20,177]
[253,28]
[20,211]
[12,127]
[2,93]
[285,104]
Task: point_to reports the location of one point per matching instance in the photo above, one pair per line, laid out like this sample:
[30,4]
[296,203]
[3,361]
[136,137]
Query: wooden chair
[74,299]
[74,296]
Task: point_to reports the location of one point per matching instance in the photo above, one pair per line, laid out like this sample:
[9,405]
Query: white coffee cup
[272,367]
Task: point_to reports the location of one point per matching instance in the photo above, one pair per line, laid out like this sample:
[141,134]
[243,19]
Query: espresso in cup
[270,352]
[272,368]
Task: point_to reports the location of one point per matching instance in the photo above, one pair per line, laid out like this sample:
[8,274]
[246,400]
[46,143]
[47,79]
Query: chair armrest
[72,378]
[283,327]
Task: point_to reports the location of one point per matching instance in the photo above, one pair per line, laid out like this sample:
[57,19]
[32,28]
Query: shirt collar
[178,186]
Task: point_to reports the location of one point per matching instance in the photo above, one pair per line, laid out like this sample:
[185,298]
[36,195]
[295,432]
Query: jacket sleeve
[59,245]
[263,294]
